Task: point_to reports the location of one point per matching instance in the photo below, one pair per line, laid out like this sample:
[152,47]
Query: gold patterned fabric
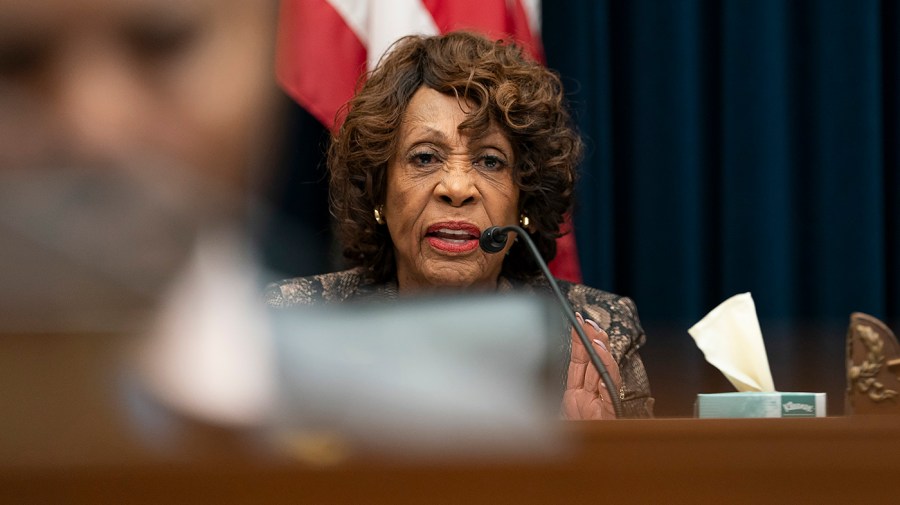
[617,315]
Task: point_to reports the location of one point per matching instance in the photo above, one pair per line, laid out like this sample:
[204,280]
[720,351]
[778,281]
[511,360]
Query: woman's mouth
[453,236]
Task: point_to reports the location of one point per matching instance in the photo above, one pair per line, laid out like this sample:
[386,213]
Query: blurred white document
[208,354]
[442,376]
[731,340]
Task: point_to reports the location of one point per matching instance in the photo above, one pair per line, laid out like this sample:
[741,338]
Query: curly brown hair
[521,96]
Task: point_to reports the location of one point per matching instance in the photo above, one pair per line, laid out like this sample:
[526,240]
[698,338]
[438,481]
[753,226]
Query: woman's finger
[586,394]
[600,341]
[579,361]
[586,375]
[600,334]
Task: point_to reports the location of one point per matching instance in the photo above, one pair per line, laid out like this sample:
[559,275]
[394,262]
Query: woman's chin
[454,278]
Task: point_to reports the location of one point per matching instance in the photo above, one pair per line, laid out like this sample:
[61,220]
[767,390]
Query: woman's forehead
[432,113]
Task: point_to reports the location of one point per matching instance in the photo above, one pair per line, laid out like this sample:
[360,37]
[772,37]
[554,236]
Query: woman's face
[443,189]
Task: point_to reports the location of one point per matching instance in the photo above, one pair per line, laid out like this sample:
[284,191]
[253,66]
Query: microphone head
[493,240]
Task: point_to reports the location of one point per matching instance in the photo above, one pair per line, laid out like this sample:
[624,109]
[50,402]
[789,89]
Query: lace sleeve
[617,315]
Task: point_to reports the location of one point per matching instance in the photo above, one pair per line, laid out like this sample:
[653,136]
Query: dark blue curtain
[737,146]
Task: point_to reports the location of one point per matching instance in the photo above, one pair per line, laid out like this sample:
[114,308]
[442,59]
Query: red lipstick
[453,236]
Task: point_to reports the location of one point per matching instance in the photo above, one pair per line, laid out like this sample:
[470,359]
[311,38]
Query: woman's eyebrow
[418,133]
[493,139]
[429,131]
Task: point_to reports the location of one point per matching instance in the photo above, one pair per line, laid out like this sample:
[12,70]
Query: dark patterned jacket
[615,314]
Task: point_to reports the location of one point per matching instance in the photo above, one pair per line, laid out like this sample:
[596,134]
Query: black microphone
[493,240]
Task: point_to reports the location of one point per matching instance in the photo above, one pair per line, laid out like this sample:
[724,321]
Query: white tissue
[731,340]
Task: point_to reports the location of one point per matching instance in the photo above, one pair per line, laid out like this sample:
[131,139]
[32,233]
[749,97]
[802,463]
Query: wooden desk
[64,438]
[827,460]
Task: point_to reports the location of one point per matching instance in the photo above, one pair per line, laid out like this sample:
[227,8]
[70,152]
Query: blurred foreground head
[126,126]
[100,83]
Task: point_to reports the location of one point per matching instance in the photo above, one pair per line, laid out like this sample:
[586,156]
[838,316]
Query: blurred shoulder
[332,287]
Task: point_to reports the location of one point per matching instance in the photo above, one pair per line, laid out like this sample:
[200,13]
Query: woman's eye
[491,162]
[424,159]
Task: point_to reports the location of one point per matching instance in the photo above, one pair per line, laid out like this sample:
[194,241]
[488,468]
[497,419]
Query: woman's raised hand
[586,396]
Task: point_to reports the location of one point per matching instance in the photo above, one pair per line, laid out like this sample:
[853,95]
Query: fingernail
[601,344]
[578,316]
[592,323]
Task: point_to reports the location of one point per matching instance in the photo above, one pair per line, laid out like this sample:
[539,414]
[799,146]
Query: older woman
[448,136]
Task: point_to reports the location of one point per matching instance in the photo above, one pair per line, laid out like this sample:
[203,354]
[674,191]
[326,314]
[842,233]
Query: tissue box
[761,405]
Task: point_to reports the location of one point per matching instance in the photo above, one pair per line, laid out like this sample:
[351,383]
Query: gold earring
[523,220]
[379,214]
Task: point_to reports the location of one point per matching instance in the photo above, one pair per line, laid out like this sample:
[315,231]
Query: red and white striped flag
[325,45]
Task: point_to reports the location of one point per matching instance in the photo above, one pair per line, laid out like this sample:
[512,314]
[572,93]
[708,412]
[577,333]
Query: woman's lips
[453,236]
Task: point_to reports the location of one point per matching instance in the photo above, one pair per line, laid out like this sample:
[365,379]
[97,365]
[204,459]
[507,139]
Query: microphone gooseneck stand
[493,240]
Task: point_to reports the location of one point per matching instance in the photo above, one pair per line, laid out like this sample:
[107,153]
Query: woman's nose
[457,186]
